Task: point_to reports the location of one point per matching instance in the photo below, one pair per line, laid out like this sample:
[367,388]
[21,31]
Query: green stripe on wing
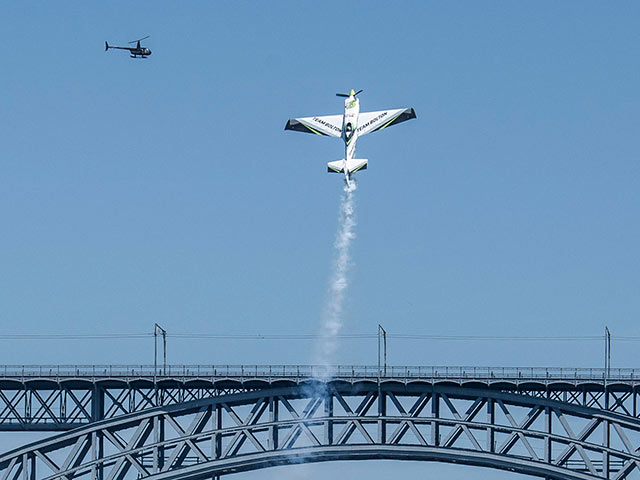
[298,126]
[401,117]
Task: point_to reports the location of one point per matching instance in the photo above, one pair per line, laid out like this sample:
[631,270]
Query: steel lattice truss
[57,398]
[317,422]
[66,408]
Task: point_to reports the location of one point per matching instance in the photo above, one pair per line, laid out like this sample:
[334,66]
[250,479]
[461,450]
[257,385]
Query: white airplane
[349,127]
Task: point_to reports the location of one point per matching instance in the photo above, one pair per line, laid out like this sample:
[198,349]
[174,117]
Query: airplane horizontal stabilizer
[352,165]
[356,164]
[335,167]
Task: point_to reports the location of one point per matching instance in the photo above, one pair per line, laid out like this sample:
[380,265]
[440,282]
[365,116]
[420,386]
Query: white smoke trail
[332,321]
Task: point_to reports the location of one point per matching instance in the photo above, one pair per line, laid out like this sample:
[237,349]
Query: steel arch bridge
[549,426]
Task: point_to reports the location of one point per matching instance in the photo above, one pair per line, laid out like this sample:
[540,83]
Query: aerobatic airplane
[349,127]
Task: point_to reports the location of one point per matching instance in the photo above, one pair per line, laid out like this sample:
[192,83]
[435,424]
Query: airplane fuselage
[350,131]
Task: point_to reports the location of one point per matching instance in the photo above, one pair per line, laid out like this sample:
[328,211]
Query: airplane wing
[329,125]
[372,121]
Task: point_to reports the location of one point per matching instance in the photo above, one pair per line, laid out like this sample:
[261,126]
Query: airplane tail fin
[353,165]
[106,46]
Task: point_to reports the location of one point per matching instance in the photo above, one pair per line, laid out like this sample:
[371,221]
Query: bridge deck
[61,397]
[271,373]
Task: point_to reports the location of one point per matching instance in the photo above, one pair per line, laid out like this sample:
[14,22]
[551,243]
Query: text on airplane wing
[372,121]
[329,125]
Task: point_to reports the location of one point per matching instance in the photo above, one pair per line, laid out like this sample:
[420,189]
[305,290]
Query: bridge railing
[297,372]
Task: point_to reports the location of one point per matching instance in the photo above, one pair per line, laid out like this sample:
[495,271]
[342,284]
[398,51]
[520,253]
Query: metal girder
[338,421]
[60,398]
[66,408]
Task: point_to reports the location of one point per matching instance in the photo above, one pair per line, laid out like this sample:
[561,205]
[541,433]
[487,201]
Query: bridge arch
[317,422]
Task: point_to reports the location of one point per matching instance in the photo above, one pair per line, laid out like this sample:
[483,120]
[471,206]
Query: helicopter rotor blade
[140,39]
[359,91]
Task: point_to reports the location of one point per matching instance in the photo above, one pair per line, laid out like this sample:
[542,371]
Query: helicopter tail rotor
[106,46]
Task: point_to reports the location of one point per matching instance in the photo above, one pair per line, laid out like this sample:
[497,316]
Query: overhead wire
[352,336]
[64,336]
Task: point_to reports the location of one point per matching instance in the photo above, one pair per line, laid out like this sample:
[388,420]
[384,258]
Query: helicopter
[134,52]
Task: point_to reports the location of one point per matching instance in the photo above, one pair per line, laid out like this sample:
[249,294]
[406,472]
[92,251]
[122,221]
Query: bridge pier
[97,403]
[606,442]
[328,424]
[216,425]
[382,412]
[491,418]
[28,466]
[158,450]
[435,413]
[97,452]
[273,419]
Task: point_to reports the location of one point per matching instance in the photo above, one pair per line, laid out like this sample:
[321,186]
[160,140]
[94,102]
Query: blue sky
[165,190]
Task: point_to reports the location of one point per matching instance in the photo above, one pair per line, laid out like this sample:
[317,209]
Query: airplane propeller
[346,95]
[135,41]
